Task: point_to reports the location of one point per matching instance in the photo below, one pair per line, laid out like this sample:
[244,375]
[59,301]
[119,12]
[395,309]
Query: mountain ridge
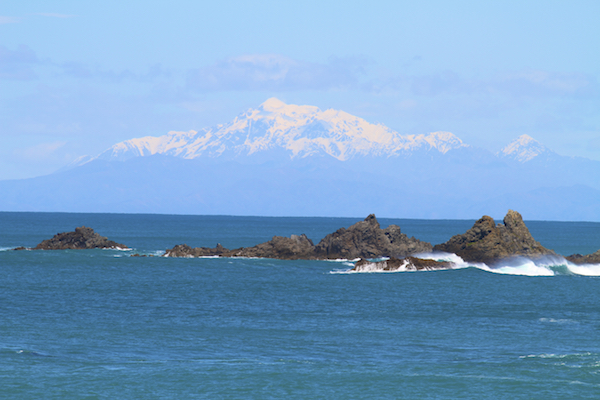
[301,131]
[261,163]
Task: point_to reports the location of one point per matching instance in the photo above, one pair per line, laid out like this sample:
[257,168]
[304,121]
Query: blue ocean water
[99,324]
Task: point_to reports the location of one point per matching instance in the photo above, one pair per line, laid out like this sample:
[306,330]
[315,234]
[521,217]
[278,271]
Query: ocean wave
[558,321]
[523,266]
[346,260]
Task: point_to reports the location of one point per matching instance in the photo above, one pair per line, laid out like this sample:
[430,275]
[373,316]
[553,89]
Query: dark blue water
[99,324]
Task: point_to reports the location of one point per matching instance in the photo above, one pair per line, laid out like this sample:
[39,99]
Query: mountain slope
[292,160]
[172,185]
[524,149]
[297,131]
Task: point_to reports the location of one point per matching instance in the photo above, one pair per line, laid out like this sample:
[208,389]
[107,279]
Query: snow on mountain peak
[272,104]
[301,131]
[523,149]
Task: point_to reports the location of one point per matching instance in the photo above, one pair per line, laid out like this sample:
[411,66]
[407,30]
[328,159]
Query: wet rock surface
[489,243]
[404,264]
[593,258]
[364,239]
[82,238]
[183,250]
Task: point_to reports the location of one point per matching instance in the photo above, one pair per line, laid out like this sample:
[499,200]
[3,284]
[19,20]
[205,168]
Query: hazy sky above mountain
[78,77]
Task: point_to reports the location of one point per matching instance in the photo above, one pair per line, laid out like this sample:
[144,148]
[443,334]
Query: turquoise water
[99,324]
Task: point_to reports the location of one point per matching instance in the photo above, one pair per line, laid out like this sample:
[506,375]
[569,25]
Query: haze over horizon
[79,77]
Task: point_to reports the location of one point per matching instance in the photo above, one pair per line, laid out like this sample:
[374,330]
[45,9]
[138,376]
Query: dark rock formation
[283,248]
[405,264]
[593,258]
[366,239]
[81,238]
[488,243]
[183,250]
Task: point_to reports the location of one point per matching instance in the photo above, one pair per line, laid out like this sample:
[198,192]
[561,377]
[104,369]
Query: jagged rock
[82,238]
[296,247]
[366,239]
[593,258]
[183,250]
[404,264]
[488,243]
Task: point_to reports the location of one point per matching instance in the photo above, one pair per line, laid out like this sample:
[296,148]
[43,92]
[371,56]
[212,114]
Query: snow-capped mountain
[248,167]
[523,149]
[299,131]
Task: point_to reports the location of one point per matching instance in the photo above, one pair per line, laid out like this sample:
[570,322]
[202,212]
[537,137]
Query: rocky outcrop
[183,250]
[283,248]
[364,239]
[395,264]
[488,243]
[82,238]
[593,258]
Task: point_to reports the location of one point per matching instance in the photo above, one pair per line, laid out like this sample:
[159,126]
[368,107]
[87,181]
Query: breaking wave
[544,266]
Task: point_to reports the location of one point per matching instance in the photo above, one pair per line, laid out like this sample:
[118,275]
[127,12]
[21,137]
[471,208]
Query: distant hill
[293,160]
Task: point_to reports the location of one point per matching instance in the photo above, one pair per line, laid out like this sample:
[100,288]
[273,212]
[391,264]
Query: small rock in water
[82,238]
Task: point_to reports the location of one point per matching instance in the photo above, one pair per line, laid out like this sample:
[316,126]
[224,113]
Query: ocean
[99,324]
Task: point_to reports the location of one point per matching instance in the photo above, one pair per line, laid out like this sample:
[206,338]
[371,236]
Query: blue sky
[78,77]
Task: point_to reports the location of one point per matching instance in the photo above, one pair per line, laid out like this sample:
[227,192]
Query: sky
[77,77]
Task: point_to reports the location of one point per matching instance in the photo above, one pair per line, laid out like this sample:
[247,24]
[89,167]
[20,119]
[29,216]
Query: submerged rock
[593,258]
[404,264]
[488,243]
[82,238]
[364,239]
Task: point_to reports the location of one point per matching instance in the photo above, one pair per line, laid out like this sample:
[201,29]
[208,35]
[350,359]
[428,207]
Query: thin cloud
[545,83]
[17,64]
[534,83]
[83,71]
[272,72]
[39,151]
[56,15]
[9,20]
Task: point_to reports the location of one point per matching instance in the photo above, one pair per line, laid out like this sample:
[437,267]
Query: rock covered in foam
[405,264]
[82,238]
[488,243]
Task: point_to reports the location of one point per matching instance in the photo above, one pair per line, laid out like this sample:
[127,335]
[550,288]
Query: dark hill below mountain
[406,188]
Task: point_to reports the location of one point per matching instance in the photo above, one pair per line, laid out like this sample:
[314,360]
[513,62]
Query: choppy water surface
[101,324]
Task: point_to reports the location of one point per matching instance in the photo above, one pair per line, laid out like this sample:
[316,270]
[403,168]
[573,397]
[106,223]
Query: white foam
[117,248]
[558,321]
[456,261]
[341,260]
[523,266]
[543,266]
[584,269]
